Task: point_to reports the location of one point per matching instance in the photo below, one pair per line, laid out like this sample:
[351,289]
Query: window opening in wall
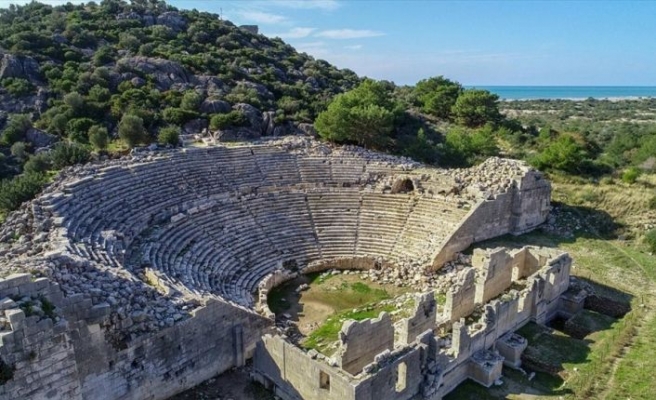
[401,375]
[324,380]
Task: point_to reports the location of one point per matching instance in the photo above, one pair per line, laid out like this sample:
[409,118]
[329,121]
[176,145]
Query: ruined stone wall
[493,273]
[361,341]
[522,208]
[431,365]
[217,337]
[61,350]
[460,299]
[298,375]
[423,319]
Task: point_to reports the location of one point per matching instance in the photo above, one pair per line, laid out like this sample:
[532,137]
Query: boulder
[165,72]
[307,129]
[39,138]
[236,135]
[215,106]
[195,126]
[173,20]
[137,82]
[12,66]
[261,90]
[253,115]
[212,85]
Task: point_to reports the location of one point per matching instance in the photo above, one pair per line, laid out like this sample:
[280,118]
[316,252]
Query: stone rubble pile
[493,176]
[416,276]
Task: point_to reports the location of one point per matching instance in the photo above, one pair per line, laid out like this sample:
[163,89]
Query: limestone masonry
[141,277]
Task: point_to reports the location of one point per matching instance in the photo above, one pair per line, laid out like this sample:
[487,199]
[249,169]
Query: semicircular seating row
[295,207]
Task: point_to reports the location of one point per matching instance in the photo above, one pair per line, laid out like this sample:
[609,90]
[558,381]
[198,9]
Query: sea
[571,92]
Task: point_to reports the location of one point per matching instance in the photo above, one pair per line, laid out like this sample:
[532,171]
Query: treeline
[438,121]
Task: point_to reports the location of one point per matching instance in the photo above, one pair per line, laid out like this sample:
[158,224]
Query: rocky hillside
[75,67]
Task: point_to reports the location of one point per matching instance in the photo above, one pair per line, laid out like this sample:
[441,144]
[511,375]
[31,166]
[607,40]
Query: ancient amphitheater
[141,277]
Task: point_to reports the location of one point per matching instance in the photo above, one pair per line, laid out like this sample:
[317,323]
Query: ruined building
[141,277]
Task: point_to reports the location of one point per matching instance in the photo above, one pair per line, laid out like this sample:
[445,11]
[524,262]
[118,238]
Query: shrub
[19,151]
[630,175]
[178,116]
[223,121]
[77,129]
[38,163]
[191,101]
[16,129]
[20,189]
[65,154]
[17,87]
[169,135]
[131,130]
[98,137]
[650,240]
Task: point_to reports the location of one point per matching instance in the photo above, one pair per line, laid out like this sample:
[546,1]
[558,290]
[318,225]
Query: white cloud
[316,49]
[262,17]
[348,33]
[327,5]
[294,33]
[353,47]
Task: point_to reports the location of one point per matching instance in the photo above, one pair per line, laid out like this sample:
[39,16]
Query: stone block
[16,318]
[7,303]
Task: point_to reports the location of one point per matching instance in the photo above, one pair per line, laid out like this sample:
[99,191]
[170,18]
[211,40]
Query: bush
[191,101]
[19,151]
[178,116]
[131,130]
[76,129]
[223,121]
[38,163]
[98,137]
[650,240]
[17,87]
[169,135]
[20,189]
[65,154]
[652,203]
[16,129]
[630,175]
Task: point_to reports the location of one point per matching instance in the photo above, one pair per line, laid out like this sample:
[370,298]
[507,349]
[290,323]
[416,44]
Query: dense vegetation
[114,74]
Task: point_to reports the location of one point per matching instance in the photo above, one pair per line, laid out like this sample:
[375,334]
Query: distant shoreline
[571,93]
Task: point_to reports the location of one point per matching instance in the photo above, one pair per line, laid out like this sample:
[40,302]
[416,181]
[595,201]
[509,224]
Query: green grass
[323,337]
[634,378]
[554,349]
[593,321]
[343,295]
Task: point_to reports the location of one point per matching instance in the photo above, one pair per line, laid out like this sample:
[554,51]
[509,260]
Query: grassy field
[331,300]
[616,360]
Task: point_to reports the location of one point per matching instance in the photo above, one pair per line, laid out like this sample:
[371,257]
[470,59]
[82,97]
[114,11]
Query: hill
[75,66]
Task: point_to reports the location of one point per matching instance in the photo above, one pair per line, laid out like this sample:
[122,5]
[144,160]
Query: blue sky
[474,42]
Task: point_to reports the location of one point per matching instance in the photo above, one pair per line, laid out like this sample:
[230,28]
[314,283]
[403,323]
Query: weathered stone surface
[39,138]
[165,72]
[215,106]
[13,66]
[173,20]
